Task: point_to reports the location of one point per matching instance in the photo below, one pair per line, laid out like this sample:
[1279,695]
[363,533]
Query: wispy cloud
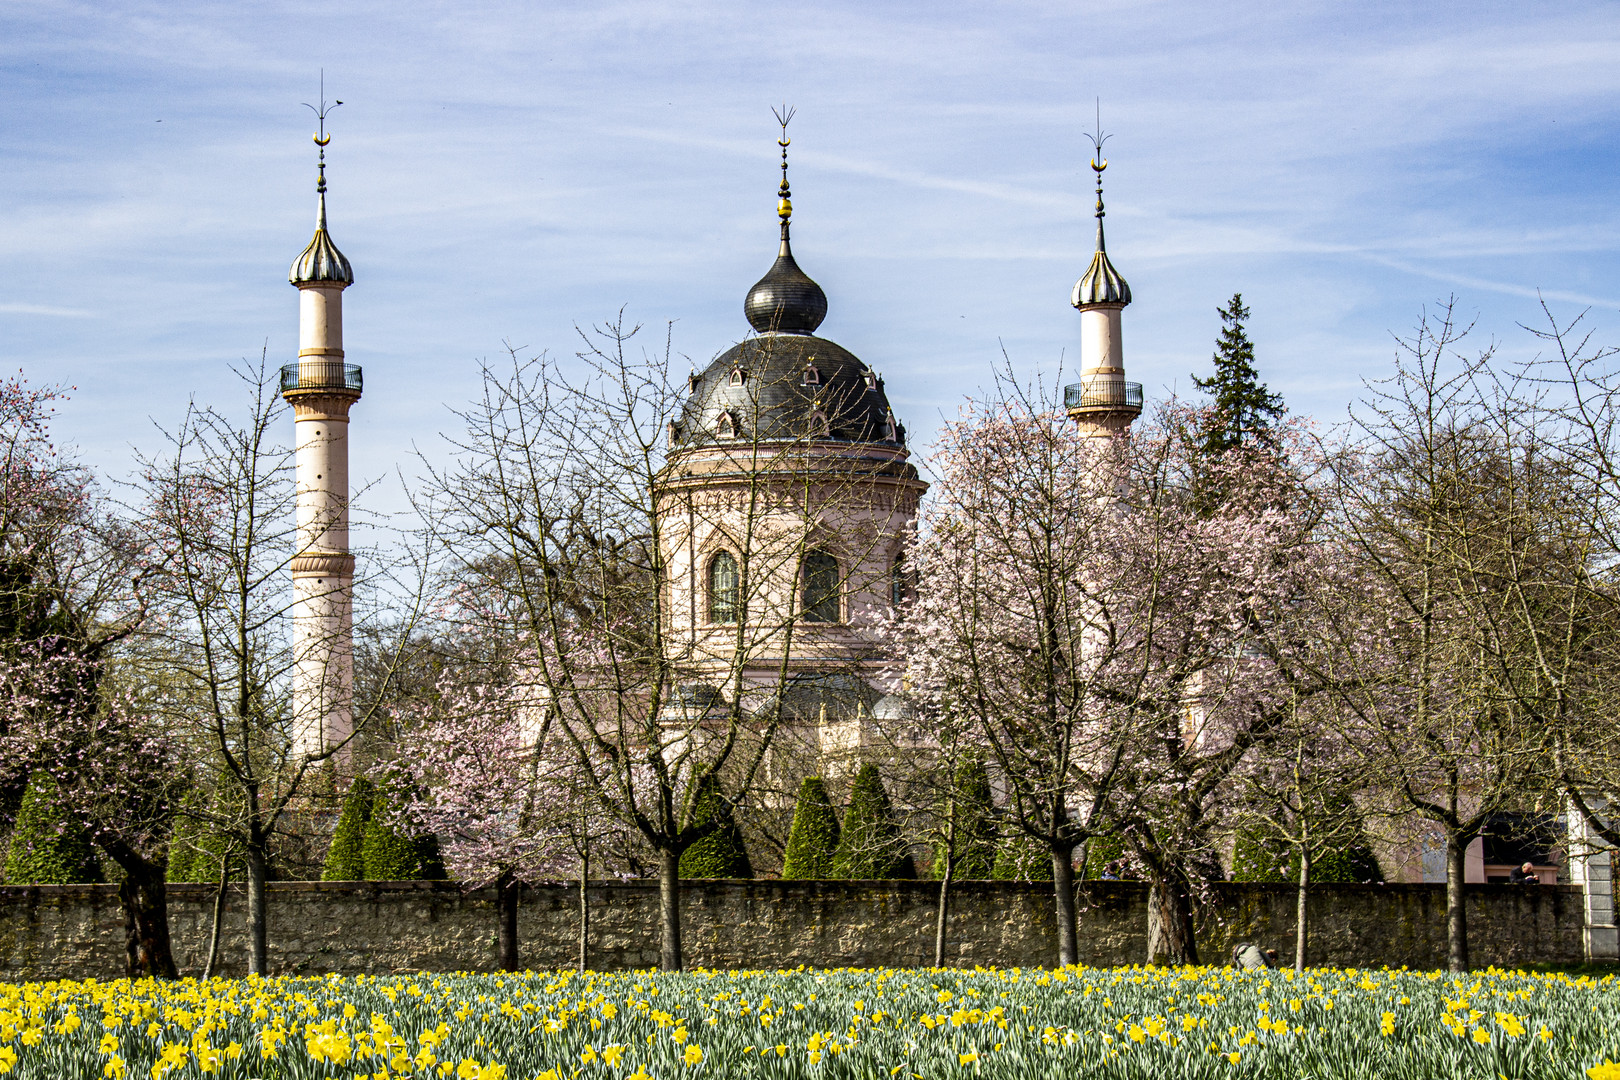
[46,311]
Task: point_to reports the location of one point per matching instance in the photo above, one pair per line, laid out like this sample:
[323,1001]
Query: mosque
[783,508]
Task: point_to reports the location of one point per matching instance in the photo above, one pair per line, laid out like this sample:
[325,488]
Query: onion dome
[784,384]
[1101,283]
[785,300]
[321,260]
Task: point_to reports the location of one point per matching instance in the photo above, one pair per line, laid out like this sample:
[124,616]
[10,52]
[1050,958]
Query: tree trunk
[506,912]
[257,916]
[1301,925]
[669,910]
[943,911]
[144,896]
[584,910]
[1170,921]
[219,917]
[1063,898]
[1456,912]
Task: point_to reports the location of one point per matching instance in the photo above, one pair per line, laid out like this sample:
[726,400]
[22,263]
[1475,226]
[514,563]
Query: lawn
[879,1023]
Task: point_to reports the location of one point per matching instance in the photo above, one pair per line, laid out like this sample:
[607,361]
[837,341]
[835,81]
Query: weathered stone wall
[77,930]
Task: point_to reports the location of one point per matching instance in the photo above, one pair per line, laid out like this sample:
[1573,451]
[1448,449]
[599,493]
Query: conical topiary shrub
[871,846]
[392,852]
[1020,857]
[720,854]
[48,845]
[813,840]
[975,831]
[346,858]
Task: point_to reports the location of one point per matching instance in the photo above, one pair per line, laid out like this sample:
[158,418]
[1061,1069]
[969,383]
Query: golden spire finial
[784,194]
[321,139]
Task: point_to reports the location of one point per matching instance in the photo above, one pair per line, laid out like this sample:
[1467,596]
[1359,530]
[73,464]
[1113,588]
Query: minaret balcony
[321,377]
[1102,393]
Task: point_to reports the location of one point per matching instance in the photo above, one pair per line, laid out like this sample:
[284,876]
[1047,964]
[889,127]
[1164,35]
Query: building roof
[784,387]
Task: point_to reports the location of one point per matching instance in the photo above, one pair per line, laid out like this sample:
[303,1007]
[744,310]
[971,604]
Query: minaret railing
[305,376]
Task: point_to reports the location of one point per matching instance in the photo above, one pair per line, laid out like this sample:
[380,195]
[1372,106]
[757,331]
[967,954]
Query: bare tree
[1449,525]
[219,508]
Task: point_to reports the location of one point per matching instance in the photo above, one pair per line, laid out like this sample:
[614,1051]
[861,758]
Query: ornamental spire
[1101,283]
[785,300]
[784,194]
[321,261]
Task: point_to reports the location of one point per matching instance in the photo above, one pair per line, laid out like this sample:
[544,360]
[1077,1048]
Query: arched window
[898,590]
[811,376]
[726,426]
[723,588]
[820,588]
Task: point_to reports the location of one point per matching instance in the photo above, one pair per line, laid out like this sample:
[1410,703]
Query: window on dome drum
[812,377]
[821,600]
[897,580]
[723,588]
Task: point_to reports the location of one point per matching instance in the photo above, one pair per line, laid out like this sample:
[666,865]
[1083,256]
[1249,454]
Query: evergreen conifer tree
[391,853]
[48,846]
[813,840]
[346,858]
[720,854]
[1019,857]
[871,846]
[975,831]
[1242,409]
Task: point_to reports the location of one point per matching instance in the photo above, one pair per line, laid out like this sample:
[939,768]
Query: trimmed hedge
[975,829]
[1020,857]
[346,857]
[392,855]
[871,847]
[48,845]
[1102,852]
[1259,857]
[813,840]
[722,853]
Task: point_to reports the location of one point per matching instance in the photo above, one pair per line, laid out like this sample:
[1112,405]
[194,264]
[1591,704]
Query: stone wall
[61,931]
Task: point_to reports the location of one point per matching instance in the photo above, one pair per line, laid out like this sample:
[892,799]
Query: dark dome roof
[787,386]
[785,299]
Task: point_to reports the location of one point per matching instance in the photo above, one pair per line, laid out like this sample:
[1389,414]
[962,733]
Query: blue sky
[503,172]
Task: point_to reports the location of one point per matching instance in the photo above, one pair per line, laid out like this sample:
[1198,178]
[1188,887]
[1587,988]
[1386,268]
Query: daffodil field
[879,1023]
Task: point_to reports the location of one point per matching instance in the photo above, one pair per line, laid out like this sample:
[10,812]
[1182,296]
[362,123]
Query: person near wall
[1523,875]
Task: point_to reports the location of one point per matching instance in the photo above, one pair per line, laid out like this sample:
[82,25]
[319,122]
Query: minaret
[320,387]
[1102,402]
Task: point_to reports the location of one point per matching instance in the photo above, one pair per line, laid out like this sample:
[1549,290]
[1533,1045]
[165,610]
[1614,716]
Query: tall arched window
[897,580]
[820,588]
[723,588]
